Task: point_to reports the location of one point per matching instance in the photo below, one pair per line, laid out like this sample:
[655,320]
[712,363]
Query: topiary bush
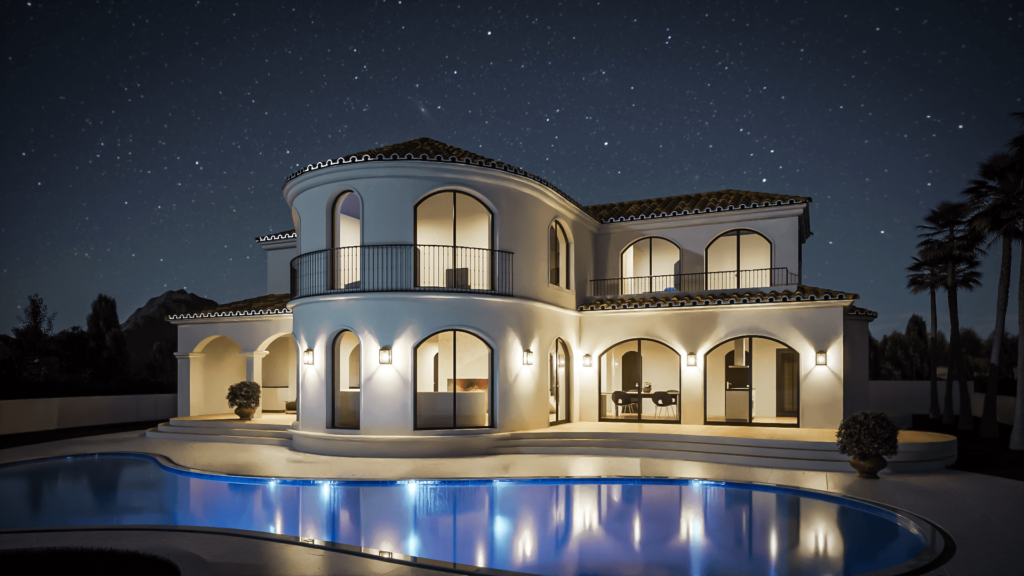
[245,394]
[867,434]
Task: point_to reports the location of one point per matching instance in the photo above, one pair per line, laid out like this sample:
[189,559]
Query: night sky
[145,144]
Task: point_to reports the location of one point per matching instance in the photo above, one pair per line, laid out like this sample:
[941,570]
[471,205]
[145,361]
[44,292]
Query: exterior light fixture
[527,357]
[385,355]
[587,360]
[821,358]
[307,357]
[691,359]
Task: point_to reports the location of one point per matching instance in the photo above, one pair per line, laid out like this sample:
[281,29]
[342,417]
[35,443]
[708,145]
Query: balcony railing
[695,282]
[401,268]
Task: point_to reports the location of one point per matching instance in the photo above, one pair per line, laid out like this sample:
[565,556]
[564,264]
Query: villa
[430,294]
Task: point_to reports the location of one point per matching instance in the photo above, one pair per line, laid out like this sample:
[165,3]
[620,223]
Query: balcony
[401,268]
[696,282]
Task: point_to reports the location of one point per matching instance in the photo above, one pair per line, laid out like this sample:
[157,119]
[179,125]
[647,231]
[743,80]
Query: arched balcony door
[453,242]
[650,265]
[453,382]
[752,380]
[345,388]
[559,378]
[739,259]
[346,234]
[639,380]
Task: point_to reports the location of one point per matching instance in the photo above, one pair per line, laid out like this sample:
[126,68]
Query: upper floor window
[346,226]
[650,265]
[738,259]
[558,256]
[453,238]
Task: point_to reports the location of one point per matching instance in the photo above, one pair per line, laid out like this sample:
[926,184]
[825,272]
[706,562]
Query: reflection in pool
[558,526]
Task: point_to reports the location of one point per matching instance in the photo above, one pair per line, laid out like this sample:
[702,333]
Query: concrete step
[193,437]
[255,424]
[243,429]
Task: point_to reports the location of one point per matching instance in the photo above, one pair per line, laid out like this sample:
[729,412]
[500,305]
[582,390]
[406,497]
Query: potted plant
[244,397]
[866,437]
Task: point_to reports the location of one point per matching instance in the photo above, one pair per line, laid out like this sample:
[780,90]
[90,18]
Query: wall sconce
[307,357]
[587,361]
[691,359]
[385,355]
[527,357]
[821,358]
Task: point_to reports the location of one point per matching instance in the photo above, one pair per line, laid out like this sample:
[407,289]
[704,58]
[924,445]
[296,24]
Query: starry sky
[145,144]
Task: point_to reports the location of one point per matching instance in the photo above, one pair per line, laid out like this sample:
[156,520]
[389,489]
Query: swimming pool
[539,526]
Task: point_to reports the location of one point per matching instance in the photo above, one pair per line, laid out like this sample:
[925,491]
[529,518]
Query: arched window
[453,382]
[559,374]
[639,380]
[345,239]
[558,257]
[739,259]
[650,265]
[752,380]
[346,380]
[453,237]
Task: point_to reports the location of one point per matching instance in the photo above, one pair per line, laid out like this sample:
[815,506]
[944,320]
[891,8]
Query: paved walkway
[984,514]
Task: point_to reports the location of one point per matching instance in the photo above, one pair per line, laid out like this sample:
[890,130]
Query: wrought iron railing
[694,282]
[401,267]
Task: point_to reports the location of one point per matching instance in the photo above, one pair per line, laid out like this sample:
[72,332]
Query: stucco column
[254,373]
[190,374]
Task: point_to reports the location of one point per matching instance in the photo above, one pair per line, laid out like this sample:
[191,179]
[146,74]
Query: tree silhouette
[924,276]
[1016,146]
[998,213]
[948,240]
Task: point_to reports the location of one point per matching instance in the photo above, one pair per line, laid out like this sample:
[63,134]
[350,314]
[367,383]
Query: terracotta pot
[245,412]
[869,467]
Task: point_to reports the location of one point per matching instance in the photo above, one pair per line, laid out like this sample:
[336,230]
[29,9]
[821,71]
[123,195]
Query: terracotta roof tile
[259,306]
[428,149]
[689,204]
[278,236]
[802,293]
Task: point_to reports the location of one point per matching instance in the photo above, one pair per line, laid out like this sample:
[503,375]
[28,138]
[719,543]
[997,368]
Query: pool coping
[931,557]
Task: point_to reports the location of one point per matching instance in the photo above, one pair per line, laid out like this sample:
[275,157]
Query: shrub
[245,394]
[867,434]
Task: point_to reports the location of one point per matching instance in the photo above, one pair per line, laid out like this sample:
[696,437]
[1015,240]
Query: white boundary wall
[36,414]
[912,397]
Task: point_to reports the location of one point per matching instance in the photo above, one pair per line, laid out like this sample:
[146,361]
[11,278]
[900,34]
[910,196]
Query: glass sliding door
[738,259]
[453,382]
[752,381]
[639,380]
[453,237]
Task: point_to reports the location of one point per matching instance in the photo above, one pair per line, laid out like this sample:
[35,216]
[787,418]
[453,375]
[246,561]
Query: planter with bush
[868,437]
[244,397]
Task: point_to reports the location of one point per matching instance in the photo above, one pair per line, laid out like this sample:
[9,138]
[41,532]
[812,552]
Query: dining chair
[624,400]
[662,401]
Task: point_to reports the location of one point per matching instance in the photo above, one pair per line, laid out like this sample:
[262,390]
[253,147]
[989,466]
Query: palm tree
[948,239]
[1017,434]
[999,213]
[925,275]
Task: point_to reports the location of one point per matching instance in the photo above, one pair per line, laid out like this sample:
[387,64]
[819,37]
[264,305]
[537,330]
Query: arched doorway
[650,265]
[279,371]
[738,259]
[752,381]
[453,383]
[559,383]
[346,381]
[639,380]
[346,237]
[221,366]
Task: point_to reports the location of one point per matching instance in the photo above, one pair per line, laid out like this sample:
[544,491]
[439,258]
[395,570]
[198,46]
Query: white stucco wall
[806,327]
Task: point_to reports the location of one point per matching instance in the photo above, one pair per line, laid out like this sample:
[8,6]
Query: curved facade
[438,301]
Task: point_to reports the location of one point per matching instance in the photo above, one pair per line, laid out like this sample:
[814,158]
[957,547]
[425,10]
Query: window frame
[799,384]
[492,381]
[333,378]
[639,420]
[555,229]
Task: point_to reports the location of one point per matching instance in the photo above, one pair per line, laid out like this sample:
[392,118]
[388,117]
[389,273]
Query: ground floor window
[453,382]
[639,381]
[752,380]
[559,370]
[346,379]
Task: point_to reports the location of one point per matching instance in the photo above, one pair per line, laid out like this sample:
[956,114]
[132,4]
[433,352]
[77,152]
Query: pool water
[550,526]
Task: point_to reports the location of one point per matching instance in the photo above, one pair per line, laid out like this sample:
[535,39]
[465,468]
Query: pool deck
[984,514]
